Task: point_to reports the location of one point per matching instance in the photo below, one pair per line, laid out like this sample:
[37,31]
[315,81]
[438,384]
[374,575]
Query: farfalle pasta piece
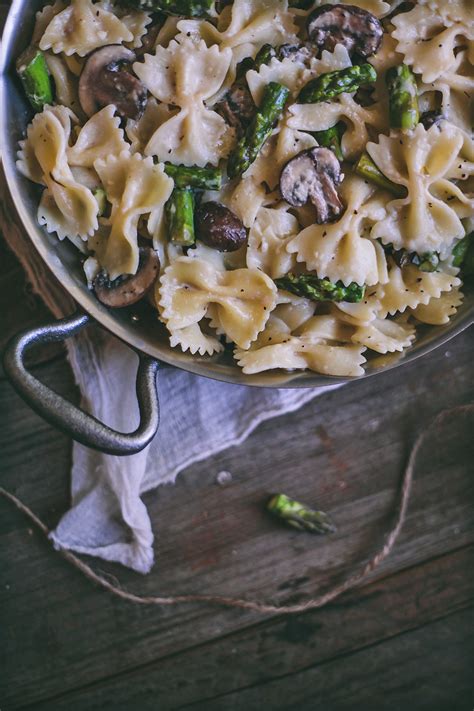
[44,149]
[456,89]
[44,17]
[429,34]
[134,187]
[384,335]
[419,160]
[68,207]
[408,287]
[439,310]
[324,115]
[243,298]
[267,241]
[186,74]
[99,138]
[249,23]
[343,250]
[82,27]
[139,132]
[287,71]
[322,344]
[192,339]
[247,199]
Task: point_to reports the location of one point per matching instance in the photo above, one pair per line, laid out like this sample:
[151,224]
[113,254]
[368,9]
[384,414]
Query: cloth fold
[107,517]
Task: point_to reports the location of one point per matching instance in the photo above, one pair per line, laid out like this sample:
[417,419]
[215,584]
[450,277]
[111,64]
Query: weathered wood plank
[428,668]
[209,538]
[283,646]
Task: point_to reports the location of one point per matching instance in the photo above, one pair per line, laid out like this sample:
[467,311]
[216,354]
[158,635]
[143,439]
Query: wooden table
[405,639]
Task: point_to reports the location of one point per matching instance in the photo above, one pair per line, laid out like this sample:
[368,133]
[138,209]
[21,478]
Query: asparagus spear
[331,84]
[180,217]
[249,146]
[366,168]
[264,56]
[101,198]
[300,516]
[33,71]
[194,177]
[331,138]
[403,97]
[463,255]
[312,287]
[185,8]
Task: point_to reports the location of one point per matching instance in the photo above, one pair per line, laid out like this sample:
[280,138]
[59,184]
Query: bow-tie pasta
[67,207]
[135,187]
[99,138]
[186,74]
[343,250]
[268,240]
[429,34]
[82,27]
[244,298]
[419,161]
[322,344]
[439,310]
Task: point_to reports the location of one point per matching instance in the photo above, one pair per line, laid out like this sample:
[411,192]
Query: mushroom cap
[219,227]
[313,175]
[128,289]
[103,82]
[358,30]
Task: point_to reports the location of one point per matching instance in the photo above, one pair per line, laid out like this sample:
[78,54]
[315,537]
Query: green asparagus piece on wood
[331,138]
[180,217]
[312,287]
[404,112]
[463,255]
[300,516]
[331,84]
[194,177]
[250,145]
[33,72]
[366,168]
[185,8]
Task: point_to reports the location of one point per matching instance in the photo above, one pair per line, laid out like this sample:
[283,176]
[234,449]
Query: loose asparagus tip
[300,516]
[312,287]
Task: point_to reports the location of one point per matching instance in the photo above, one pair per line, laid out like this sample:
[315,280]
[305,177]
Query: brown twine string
[255,605]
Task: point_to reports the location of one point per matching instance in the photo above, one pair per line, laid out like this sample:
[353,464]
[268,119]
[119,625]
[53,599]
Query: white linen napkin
[107,517]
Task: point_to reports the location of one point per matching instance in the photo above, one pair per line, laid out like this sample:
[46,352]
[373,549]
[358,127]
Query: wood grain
[60,634]
[283,646]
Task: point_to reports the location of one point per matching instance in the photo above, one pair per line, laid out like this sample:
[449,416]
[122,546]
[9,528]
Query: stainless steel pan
[146,336]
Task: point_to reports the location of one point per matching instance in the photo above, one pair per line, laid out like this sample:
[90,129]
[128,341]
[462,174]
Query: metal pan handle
[67,417]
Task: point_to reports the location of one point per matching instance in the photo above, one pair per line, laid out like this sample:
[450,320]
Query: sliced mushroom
[104,80]
[358,30]
[237,107]
[219,228]
[128,289]
[313,175]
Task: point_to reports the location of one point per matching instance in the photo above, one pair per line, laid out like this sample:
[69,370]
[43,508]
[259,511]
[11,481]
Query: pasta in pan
[288,182]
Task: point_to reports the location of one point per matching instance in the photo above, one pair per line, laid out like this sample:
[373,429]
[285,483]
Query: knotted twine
[256,605]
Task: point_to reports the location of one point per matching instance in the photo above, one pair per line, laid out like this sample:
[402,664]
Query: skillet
[143,333]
